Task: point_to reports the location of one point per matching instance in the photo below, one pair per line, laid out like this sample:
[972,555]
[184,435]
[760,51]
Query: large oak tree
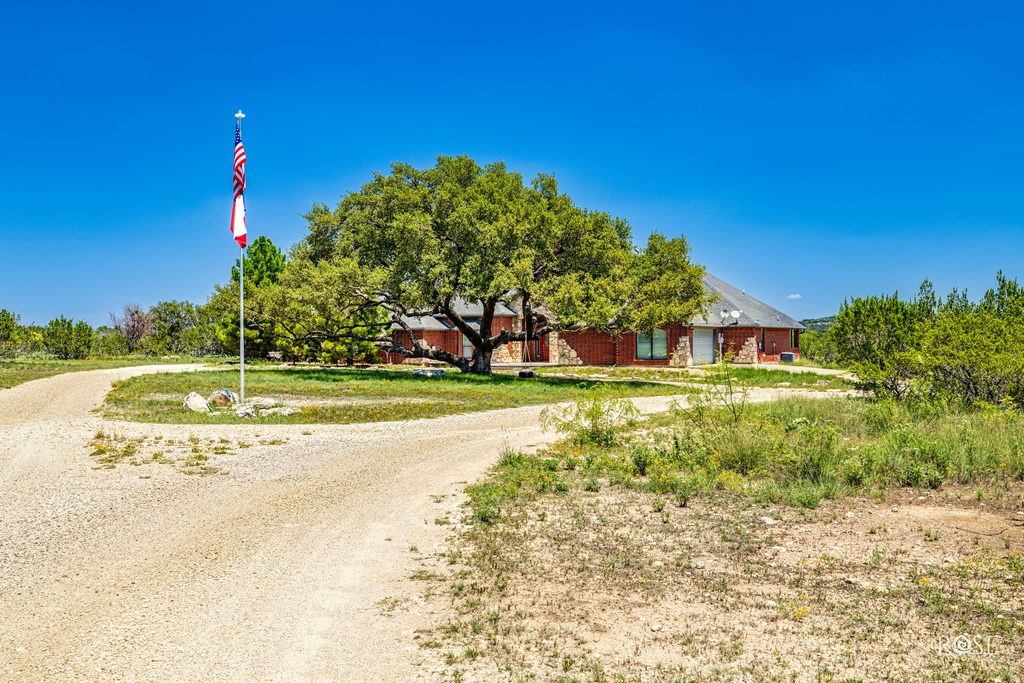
[415,242]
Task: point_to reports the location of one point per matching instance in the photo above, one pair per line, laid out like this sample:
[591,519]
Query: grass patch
[189,456]
[352,396]
[19,370]
[798,450]
[746,376]
[724,545]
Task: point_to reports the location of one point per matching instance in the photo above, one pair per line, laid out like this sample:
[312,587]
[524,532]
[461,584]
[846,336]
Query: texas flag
[238,220]
[238,208]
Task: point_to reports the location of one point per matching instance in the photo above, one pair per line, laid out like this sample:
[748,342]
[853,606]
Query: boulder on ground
[195,403]
[222,398]
[245,410]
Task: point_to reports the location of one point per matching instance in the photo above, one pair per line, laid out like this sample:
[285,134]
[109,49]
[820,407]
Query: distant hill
[818,324]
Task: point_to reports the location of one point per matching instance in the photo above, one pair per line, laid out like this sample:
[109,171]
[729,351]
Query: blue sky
[805,149]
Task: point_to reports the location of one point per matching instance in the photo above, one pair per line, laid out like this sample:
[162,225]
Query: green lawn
[335,395]
[743,375]
[16,371]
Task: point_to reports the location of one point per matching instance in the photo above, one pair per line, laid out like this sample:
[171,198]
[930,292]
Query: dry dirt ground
[286,557]
[601,586]
[321,553]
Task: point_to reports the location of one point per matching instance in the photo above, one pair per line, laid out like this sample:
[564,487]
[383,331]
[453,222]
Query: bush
[67,339]
[593,420]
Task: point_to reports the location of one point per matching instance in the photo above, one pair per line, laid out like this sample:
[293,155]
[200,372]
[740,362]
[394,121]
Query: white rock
[768,520]
[222,398]
[195,403]
[245,410]
[656,627]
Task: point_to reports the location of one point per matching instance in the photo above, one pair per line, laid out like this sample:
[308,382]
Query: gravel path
[294,565]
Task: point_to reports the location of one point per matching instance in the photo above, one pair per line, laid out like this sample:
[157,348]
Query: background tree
[954,349]
[419,242]
[975,351]
[881,338]
[133,325]
[263,262]
[10,333]
[179,328]
[67,339]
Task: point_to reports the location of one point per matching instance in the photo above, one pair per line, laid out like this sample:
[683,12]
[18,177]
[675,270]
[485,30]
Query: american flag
[239,162]
[238,207]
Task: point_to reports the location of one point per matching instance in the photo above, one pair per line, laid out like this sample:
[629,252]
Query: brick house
[737,324]
[439,332]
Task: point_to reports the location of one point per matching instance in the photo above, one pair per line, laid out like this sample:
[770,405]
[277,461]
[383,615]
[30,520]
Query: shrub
[67,339]
[594,420]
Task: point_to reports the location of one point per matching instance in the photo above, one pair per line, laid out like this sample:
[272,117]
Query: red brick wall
[627,347]
[599,348]
[781,343]
[592,347]
[736,337]
[445,340]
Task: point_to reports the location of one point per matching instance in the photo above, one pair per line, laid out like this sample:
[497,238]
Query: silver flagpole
[241,299]
[241,321]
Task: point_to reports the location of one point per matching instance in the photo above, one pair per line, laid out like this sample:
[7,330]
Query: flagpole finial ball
[239,115]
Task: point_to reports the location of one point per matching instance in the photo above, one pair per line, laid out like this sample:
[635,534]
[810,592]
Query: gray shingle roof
[463,308]
[753,313]
[422,324]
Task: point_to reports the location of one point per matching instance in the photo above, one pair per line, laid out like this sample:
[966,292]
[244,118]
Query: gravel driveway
[277,570]
[288,567]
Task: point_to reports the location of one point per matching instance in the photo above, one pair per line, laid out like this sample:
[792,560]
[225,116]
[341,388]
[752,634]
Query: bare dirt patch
[596,586]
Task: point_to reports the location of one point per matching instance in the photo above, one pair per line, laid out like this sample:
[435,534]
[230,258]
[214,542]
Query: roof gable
[753,313]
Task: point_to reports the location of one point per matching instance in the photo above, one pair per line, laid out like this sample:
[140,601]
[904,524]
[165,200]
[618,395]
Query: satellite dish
[724,313]
[735,314]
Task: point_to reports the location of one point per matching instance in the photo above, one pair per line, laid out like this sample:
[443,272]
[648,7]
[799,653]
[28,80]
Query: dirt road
[293,564]
[285,568]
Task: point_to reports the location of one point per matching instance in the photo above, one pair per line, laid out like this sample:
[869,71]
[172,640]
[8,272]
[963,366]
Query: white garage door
[703,345]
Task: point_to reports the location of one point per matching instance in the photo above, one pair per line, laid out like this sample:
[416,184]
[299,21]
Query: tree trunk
[481,361]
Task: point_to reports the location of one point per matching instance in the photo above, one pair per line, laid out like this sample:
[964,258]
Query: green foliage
[131,328]
[801,451]
[881,338]
[10,333]
[180,328]
[288,309]
[420,240]
[818,347]
[590,420]
[263,262]
[951,350]
[65,338]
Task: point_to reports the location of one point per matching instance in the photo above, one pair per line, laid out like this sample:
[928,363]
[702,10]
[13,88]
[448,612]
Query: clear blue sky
[815,149]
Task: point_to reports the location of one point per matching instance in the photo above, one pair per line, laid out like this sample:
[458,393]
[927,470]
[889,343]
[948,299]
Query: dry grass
[603,586]
[192,455]
[739,543]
